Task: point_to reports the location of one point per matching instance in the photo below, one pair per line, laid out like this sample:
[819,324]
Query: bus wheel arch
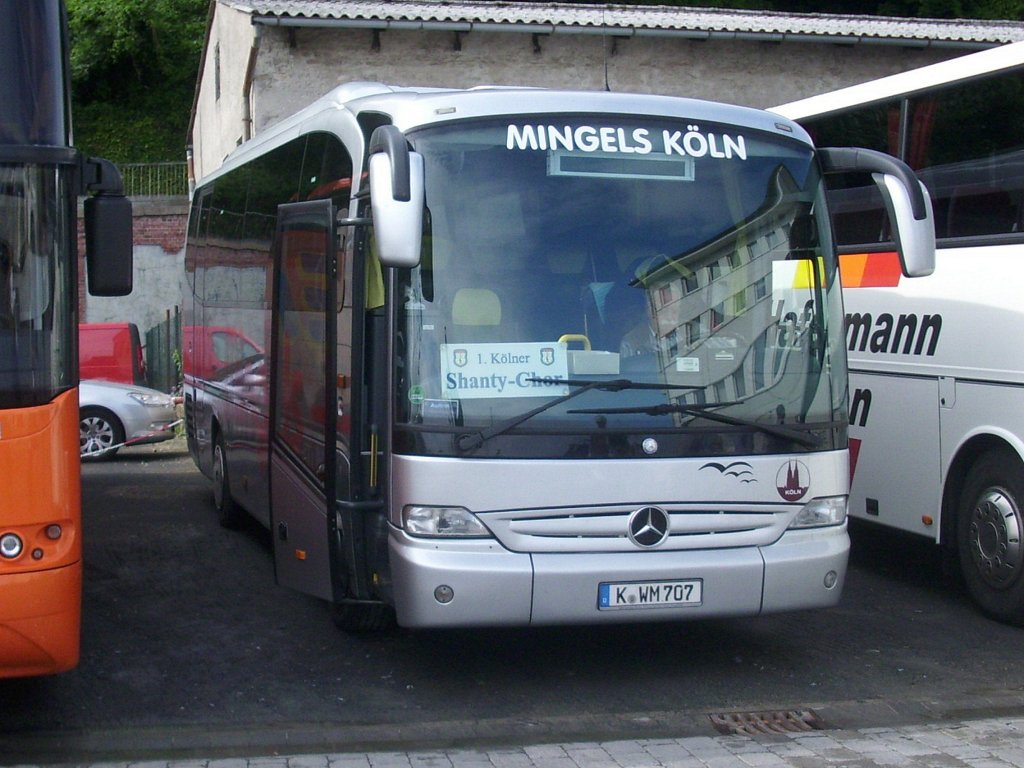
[989,531]
[228,512]
[966,457]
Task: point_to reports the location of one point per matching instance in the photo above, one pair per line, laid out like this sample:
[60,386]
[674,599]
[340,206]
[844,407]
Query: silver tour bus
[518,356]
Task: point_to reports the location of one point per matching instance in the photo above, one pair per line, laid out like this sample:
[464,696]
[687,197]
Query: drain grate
[782,721]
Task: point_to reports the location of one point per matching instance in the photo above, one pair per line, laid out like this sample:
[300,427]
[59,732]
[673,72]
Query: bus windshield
[37,286]
[609,286]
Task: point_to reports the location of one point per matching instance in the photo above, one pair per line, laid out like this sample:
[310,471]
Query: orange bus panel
[41,588]
[40,621]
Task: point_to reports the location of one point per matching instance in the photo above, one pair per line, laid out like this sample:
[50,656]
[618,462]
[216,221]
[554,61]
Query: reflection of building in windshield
[717,308]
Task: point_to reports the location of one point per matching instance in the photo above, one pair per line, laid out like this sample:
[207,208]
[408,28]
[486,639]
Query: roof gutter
[605,31]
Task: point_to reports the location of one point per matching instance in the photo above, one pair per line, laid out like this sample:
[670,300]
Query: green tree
[953,9]
[133,72]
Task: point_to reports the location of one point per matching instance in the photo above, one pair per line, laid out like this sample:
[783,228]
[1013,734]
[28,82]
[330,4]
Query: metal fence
[154,179]
[163,353]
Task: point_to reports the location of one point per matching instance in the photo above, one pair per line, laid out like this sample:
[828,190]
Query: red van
[111,351]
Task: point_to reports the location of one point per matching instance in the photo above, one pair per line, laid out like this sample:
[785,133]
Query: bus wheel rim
[995,538]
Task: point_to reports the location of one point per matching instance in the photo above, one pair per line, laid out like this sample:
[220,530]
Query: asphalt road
[190,647]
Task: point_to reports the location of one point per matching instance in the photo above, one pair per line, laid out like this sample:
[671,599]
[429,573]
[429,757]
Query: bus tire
[229,514]
[990,526]
[362,617]
[100,434]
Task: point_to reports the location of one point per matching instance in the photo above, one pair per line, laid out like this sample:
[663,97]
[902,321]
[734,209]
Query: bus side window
[964,141]
[858,214]
[985,211]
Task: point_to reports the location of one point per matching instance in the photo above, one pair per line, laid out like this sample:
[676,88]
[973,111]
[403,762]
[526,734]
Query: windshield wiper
[476,439]
[698,410]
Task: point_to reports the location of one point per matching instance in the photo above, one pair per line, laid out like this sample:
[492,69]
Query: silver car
[113,415]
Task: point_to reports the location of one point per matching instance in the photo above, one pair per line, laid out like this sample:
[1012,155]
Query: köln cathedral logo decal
[793,480]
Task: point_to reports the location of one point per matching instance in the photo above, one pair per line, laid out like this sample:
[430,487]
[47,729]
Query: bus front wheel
[990,525]
[228,512]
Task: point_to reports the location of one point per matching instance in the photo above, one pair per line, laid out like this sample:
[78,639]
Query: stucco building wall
[289,67]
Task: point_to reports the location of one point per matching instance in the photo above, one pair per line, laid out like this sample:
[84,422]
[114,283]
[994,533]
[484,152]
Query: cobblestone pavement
[987,743]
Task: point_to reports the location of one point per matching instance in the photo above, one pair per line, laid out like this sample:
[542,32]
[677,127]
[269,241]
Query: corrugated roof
[626,19]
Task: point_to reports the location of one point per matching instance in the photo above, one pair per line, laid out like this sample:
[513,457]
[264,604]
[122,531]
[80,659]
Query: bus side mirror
[396,198]
[906,200]
[108,244]
[915,238]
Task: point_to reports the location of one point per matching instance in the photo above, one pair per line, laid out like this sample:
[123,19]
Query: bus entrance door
[303,398]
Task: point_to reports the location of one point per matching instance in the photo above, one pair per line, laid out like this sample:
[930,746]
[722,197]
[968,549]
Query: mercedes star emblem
[648,526]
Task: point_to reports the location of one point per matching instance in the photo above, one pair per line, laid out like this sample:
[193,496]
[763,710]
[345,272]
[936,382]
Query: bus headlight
[829,510]
[442,522]
[10,546]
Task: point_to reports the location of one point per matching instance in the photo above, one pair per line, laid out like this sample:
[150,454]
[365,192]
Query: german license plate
[649,594]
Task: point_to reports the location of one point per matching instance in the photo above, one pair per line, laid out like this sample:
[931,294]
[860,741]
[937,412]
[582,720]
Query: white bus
[517,356]
[937,371]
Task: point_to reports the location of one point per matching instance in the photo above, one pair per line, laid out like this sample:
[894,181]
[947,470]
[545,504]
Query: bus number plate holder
[649,594]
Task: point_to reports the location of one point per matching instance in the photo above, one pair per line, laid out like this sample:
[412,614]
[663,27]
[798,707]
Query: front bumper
[40,621]
[492,586]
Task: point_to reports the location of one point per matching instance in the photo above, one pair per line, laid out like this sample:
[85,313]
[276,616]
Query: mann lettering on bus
[906,334]
[559,323]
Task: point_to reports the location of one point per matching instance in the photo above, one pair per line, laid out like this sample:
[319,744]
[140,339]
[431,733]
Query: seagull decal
[738,469]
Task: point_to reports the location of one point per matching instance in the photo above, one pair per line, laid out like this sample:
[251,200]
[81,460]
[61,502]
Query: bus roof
[958,69]
[414,107]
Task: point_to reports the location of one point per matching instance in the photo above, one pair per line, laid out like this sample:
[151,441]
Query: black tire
[100,434]
[990,527]
[229,514]
[362,617]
